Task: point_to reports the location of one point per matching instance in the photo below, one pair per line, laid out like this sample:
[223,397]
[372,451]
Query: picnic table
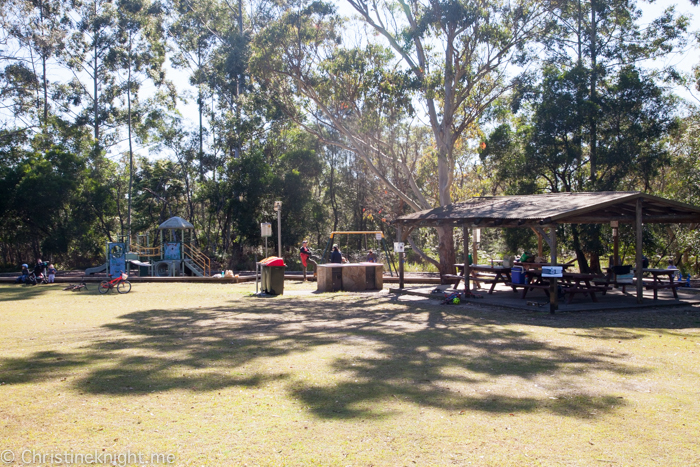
[528,266]
[658,281]
[574,283]
[499,274]
[618,276]
[571,284]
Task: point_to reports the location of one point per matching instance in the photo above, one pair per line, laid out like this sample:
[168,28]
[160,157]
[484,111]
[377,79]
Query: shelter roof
[176,223]
[565,208]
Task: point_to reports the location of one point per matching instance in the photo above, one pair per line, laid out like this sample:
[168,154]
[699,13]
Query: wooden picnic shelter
[544,212]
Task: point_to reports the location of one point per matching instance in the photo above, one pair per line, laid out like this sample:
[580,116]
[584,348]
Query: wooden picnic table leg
[673,289]
[510,279]
[525,289]
[495,281]
[656,289]
[588,285]
[460,272]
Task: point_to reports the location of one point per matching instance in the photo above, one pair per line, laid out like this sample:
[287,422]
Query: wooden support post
[616,246]
[475,246]
[553,295]
[399,238]
[467,269]
[541,236]
[638,261]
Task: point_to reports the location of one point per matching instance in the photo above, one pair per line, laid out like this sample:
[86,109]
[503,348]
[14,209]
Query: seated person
[336,255]
[24,276]
[39,268]
[371,257]
[677,275]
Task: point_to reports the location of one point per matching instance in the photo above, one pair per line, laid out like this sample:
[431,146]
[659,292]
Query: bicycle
[77,287]
[120,282]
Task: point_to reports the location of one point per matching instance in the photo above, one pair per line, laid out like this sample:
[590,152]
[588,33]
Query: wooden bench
[574,289]
[655,286]
[476,278]
[452,279]
[527,287]
[485,278]
[604,283]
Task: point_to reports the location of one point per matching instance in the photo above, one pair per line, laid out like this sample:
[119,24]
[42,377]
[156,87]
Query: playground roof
[565,208]
[176,223]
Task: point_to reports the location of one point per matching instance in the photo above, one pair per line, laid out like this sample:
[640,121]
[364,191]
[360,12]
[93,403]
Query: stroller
[38,276]
[33,279]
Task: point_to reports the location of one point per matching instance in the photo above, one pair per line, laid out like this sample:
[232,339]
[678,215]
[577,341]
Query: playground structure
[379,237]
[176,257]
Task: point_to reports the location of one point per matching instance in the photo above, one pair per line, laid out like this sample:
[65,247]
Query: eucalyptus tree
[92,38]
[194,30]
[596,118]
[137,56]
[38,28]
[599,44]
[450,57]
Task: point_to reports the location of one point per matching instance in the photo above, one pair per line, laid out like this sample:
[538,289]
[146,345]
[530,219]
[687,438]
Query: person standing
[304,254]
[336,255]
[52,273]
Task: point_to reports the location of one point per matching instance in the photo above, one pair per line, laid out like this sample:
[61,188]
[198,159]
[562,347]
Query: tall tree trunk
[595,263]
[594,96]
[446,247]
[200,102]
[95,81]
[46,92]
[580,255]
[131,151]
[43,66]
[331,188]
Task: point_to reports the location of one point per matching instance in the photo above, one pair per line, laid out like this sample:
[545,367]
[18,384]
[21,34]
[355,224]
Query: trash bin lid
[273,261]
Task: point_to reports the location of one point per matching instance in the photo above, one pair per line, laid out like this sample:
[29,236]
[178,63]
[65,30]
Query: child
[677,275]
[52,273]
[24,276]
[371,257]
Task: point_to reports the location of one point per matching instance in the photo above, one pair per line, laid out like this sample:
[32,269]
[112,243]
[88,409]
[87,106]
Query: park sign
[265,229]
[398,247]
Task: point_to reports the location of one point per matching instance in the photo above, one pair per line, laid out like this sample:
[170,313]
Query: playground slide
[96,269]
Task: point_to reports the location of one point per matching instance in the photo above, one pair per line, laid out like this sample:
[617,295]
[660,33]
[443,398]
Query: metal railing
[146,251]
[200,259]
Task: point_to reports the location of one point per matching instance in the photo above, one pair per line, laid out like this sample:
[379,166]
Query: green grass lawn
[214,376]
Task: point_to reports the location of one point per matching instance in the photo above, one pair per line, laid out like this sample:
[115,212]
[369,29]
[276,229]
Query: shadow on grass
[14,292]
[400,353]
